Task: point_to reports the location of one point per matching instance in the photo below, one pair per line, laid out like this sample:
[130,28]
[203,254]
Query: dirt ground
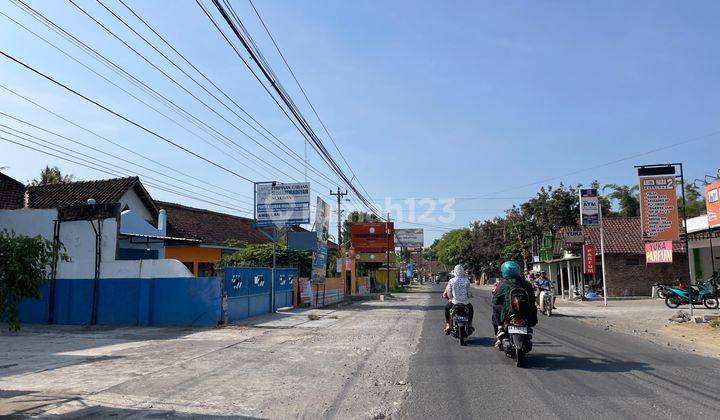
[648,318]
[346,363]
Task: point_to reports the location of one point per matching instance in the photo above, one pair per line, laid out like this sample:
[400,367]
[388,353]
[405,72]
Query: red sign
[372,237]
[712,203]
[658,252]
[589,253]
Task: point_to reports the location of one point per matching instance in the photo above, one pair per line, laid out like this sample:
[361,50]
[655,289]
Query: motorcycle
[516,340]
[700,296]
[546,301]
[460,323]
[662,289]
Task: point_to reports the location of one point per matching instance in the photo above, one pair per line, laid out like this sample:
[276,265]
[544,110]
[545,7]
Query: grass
[715,323]
[313,317]
[333,317]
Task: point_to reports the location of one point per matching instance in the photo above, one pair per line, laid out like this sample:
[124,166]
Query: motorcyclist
[510,271]
[543,284]
[457,292]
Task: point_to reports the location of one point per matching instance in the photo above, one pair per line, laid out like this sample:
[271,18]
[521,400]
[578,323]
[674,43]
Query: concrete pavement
[350,363]
[574,371]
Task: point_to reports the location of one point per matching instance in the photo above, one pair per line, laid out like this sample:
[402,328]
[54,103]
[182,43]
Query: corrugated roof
[622,236]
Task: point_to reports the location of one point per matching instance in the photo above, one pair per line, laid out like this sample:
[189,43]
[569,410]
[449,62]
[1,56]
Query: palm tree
[627,197]
[51,176]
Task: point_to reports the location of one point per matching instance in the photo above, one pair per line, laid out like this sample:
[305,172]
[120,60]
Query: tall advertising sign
[372,237]
[712,203]
[589,209]
[658,208]
[412,239]
[589,253]
[320,255]
[281,205]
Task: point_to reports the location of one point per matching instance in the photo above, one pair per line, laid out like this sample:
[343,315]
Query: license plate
[461,319]
[517,330]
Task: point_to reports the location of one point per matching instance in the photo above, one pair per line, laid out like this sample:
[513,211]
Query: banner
[281,205]
[322,225]
[371,237]
[411,239]
[589,253]
[410,268]
[573,236]
[589,208]
[712,203]
[658,252]
[658,208]
[376,257]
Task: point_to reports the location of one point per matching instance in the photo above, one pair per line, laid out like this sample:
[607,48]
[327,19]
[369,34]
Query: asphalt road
[574,371]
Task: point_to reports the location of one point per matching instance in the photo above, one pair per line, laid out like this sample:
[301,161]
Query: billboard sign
[589,207]
[712,203]
[658,252]
[410,268]
[282,205]
[658,208]
[589,253]
[371,237]
[320,254]
[574,236]
[410,238]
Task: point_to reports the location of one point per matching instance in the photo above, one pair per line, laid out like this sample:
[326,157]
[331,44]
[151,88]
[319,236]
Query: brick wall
[628,275]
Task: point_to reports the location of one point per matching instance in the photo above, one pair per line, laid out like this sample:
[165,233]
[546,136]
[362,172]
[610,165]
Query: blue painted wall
[248,290]
[185,301]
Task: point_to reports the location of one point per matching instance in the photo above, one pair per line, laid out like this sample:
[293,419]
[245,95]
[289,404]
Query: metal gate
[247,291]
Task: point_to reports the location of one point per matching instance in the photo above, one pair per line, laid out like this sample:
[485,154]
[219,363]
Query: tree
[51,176]
[627,197]
[453,247]
[260,255]
[695,201]
[24,267]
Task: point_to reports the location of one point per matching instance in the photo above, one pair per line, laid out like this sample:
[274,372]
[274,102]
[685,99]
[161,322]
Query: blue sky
[425,99]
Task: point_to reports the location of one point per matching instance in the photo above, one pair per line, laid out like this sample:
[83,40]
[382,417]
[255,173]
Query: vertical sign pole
[272,271]
[387,258]
[602,251]
[687,247]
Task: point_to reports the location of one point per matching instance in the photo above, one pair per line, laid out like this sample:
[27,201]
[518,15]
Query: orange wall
[193,254]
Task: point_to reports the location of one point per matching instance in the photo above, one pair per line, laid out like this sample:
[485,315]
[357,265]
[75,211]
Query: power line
[286,149]
[264,67]
[124,118]
[292,73]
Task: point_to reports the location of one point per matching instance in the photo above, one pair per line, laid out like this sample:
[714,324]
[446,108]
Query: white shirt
[458,290]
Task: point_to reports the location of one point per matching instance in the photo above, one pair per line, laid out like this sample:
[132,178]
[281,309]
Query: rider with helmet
[510,271]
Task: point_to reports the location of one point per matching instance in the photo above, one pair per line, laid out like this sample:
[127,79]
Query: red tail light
[517,322]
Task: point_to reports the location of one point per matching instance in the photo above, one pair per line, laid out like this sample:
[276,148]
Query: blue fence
[188,301]
[248,290]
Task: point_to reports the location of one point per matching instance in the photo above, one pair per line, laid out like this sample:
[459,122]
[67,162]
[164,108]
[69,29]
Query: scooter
[516,340]
[675,297]
[461,328]
[546,302]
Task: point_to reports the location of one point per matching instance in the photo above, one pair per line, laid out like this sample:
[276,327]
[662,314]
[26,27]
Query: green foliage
[260,255]
[236,243]
[695,201]
[627,197]
[52,176]
[451,249]
[24,267]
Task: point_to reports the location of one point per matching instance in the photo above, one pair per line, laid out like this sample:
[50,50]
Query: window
[206,269]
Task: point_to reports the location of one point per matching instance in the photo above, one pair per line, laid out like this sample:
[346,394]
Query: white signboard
[409,238]
[589,214]
[573,237]
[282,205]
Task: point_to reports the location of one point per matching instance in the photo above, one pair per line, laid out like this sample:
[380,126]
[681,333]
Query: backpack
[519,301]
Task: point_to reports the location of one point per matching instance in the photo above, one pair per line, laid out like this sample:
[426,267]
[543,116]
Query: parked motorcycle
[700,296]
[516,340]
[460,323]
[662,289]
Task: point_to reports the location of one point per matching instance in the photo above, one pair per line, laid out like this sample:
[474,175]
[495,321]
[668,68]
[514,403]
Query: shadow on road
[588,364]
[480,341]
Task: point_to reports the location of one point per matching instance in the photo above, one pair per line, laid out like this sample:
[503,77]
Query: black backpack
[519,301]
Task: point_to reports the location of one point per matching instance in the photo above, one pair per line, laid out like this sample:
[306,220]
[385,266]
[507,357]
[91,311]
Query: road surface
[574,371]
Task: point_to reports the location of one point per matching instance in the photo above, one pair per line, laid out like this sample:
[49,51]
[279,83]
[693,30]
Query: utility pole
[387,258]
[340,255]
